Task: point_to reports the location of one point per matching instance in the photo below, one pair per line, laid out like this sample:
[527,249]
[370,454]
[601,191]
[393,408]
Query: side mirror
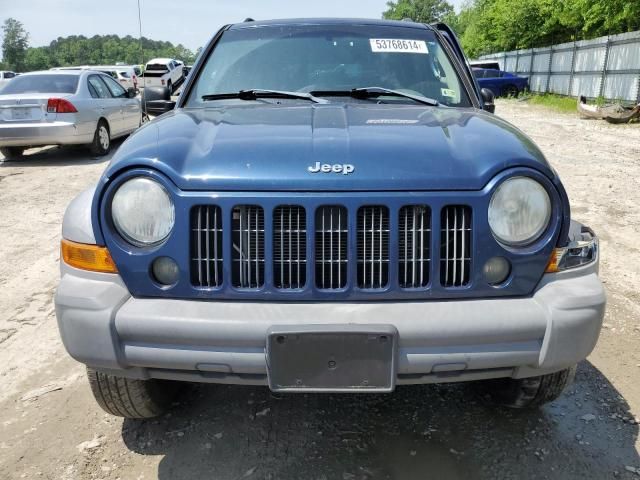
[488,99]
[158,107]
[131,92]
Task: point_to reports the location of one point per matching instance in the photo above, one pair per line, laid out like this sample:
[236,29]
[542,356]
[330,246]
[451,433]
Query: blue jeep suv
[330,207]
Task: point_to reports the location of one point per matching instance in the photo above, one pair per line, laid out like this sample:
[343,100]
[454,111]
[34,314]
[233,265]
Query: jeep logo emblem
[344,169]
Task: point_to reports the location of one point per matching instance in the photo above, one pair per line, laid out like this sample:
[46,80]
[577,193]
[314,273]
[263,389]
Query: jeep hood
[257,147]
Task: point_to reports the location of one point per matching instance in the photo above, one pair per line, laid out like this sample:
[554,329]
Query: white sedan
[67,107]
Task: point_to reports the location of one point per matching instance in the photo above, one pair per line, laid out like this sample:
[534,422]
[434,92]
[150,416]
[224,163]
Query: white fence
[606,67]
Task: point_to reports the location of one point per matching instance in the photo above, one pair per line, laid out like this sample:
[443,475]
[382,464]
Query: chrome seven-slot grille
[330,256]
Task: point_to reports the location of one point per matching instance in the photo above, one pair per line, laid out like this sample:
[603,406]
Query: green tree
[424,11]
[15,44]
[37,59]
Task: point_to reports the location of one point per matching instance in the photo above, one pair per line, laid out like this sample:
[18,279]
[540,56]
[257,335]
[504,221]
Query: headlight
[143,212]
[519,211]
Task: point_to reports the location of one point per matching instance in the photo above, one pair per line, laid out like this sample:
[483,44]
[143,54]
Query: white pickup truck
[163,72]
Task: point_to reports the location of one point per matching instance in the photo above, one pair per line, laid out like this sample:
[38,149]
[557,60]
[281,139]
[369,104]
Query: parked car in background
[163,72]
[5,76]
[65,107]
[502,84]
[329,206]
[123,74]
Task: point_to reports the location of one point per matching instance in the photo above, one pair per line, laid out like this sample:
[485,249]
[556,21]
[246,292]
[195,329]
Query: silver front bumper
[38,134]
[224,342]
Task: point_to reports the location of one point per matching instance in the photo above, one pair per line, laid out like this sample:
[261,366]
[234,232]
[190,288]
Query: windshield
[331,58]
[47,83]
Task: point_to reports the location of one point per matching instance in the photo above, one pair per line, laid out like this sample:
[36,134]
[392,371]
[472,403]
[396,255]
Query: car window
[124,74]
[116,90]
[42,83]
[97,88]
[330,58]
[157,67]
[492,74]
[9,74]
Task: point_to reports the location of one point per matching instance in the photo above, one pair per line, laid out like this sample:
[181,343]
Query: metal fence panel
[562,62]
[605,66]
[559,84]
[621,86]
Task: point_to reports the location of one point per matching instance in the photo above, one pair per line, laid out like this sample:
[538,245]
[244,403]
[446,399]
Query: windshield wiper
[375,92]
[256,93]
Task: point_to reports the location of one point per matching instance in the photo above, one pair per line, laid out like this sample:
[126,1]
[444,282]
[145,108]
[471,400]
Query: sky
[190,22]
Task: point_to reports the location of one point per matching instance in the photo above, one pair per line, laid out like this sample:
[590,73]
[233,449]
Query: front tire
[527,393]
[12,153]
[101,144]
[510,91]
[129,398]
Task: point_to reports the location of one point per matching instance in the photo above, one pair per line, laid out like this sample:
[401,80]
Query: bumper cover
[37,134]
[224,342]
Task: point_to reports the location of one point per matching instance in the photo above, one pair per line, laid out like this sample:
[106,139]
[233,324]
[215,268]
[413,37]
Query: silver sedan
[65,108]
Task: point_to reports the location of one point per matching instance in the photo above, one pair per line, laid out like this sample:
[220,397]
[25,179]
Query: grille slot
[289,247]
[248,246]
[206,246]
[414,245]
[331,247]
[373,247]
[455,251]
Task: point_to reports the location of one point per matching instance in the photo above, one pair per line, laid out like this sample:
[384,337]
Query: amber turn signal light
[554,261]
[87,257]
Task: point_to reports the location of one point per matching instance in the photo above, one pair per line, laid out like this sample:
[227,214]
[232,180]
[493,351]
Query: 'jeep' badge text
[344,169]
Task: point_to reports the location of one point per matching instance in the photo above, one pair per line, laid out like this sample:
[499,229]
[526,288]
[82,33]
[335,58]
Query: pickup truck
[163,72]
[331,206]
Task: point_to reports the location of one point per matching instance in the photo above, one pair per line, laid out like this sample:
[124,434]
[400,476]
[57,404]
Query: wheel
[11,153]
[144,118]
[169,86]
[101,139]
[510,91]
[527,392]
[125,397]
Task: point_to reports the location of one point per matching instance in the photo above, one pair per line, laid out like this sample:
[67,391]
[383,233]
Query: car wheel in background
[129,398]
[530,392]
[170,87]
[12,153]
[101,139]
[510,91]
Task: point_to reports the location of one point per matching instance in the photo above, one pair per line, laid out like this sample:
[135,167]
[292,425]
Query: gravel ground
[50,426]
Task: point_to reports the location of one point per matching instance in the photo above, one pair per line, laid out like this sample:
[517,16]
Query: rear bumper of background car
[38,134]
[224,342]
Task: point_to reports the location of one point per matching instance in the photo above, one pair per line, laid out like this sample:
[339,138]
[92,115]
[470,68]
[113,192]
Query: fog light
[165,271]
[497,270]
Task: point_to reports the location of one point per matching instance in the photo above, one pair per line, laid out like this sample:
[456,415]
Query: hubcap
[104,137]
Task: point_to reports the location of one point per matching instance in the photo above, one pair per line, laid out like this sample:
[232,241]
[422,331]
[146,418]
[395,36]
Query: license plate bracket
[20,113]
[332,358]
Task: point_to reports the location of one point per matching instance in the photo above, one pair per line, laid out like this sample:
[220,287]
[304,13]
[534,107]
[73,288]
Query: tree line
[488,26]
[80,50]
[484,26]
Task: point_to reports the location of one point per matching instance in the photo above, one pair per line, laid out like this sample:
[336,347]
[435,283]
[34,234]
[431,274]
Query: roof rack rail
[248,19]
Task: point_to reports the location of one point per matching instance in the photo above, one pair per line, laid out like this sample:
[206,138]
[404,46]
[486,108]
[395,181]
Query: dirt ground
[50,426]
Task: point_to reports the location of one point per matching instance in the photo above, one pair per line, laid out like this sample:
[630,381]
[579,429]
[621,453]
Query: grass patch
[562,104]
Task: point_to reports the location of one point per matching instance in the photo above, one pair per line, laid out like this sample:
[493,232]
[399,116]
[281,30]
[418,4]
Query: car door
[176,74]
[109,106]
[492,81]
[129,107]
